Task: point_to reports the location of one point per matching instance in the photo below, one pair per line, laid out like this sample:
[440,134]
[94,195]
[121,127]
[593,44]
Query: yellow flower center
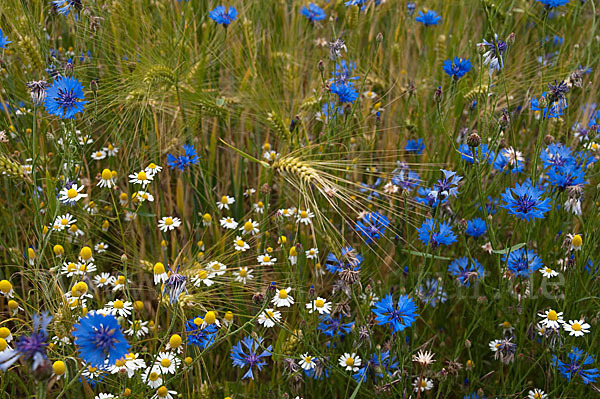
[243,273]
[210,317]
[121,280]
[266,258]
[118,304]
[537,395]
[71,193]
[159,268]
[552,315]
[120,363]
[168,221]
[303,214]
[153,376]
[239,243]
[282,294]
[576,327]
[248,226]
[270,313]
[319,303]
[506,324]
[152,166]
[162,392]
[83,268]
[71,267]
[106,174]
[202,274]
[307,359]
[349,361]
[102,280]
[142,176]
[86,253]
[165,362]
[577,240]
[198,321]
[5,286]
[64,221]
[4,332]
[224,200]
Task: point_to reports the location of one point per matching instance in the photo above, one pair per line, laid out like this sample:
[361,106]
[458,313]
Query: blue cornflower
[448,185]
[64,6]
[182,162]
[428,235]
[476,227]
[565,176]
[376,366]
[525,202]
[99,339]
[371,189]
[551,110]
[553,3]
[414,146]
[3,40]
[428,18]
[509,160]
[333,327]
[432,292]
[355,2]
[578,360]
[31,347]
[493,56]
[199,336]
[372,226]
[430,197]
[557,155]
[405,178]
[345,91]
[522,262]
[343,72]
[474,395]
[399,317]
[65,98]
[590,268]
[349,259]
[313,12]
[330,110]
[466,270]
[222,16]
[457,68]
[410,7]
[470,154]
[251,358]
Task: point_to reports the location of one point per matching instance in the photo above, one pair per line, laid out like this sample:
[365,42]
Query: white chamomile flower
[250,227]
[548,273]
[312,253]
[351,362]
[225,201]
[422,384]
[72,194]
[143,196]
[168,223]
[243,275]
[111,150]
[141,177]
[164,393]
[536,394]
[269,317]
[266,260]
[129,364]
[288,212]
[369,94]
[153,169]
[203,277]
[320,305]
[307,362]
[70,269]
[103,279]
[240,245]
[216,268]
[259,207]
[138,328]
[577,328]
[248,192]
[551,319]
[105,396]
[152,377]
[168,362]
[228,223]
[305,216]
[101,247]
[65,221]
[119,308]
[99,155]
[283,298]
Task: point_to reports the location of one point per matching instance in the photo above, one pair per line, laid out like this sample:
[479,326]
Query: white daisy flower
[225,201]
[203,277]
[70,269]
[65,221]
[305,216]
[160,273]
[152,377]
[269,317]
[216,268]
[283,298]
[548,273]
[138,328]
[168,362]
[422,384]
[71,195]
[143,196]
[104,279]
[289,212]
[153,169]
[537,394]
[550,318]
[250,227]
[240,245]
[320,305]
[129,364]
[228,223]
[312,253]
[164,393]
[266,260]
[111,150]
[259,207]
[577,328]
[141,177]
[168,223]
[101,247]
[99,155]
[119,308]
[248,192]
[307,362]
[243,275]
[351,362]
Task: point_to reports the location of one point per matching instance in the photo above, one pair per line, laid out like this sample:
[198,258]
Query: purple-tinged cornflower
[552,110]
[429,236]
[3,40]
[343,72]
[100,340]
[457,68]
[448,185]
[410,7]
[201,337]
[431,293]
[222,16]
[429,197]
[428,18]
[566,176]
[397,317]
[31,347]
[182,162]
[414,146]
[525,202]
[64,6]
[493,56]
[345,91]
[376,366]
[522,262]
[553,3]
[65,98]
[175,285]
[578,360]
[333,326]
[245,354]
[405,178]
[466,270]
[470,154]
[313,12]
[372,226]
[476,227]
[557,154]
[349,259]
[329,111]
